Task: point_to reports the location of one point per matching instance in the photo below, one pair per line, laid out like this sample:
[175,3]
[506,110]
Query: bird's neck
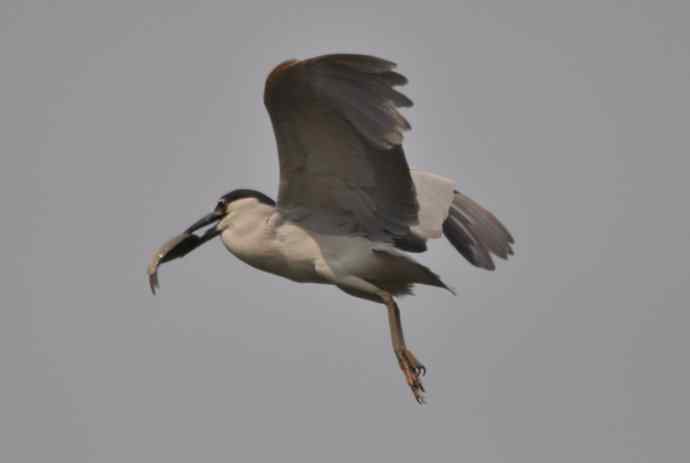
[249,231]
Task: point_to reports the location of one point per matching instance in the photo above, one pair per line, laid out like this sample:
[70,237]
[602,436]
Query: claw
[418,392]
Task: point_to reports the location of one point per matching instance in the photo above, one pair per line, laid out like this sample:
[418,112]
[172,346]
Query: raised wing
[339,135]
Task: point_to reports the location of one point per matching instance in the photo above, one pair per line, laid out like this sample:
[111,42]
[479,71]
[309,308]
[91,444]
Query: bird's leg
[410,366]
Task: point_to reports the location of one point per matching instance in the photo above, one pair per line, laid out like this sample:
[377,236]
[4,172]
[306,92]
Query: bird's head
[228,206]
[237,201]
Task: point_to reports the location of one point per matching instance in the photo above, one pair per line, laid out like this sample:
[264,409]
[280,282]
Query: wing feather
[339,136]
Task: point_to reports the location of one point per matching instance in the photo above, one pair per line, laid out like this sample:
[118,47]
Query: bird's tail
[476,233]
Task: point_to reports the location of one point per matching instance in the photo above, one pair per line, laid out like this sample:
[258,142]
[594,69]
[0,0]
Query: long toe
[413,370]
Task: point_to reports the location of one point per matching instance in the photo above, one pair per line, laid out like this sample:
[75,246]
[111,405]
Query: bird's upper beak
[183,244]
[208,219]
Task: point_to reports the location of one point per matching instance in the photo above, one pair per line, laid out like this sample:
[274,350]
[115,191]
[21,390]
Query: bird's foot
[413,371]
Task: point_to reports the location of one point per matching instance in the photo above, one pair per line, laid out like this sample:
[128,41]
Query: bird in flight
[349,210]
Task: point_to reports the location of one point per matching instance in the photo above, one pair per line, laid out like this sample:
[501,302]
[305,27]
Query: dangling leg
[410,366]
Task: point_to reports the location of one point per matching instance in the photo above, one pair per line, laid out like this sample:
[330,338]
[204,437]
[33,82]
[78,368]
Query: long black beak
[189,241]
[208,219]
[183,244]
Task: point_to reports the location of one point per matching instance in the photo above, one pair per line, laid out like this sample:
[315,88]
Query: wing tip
[275,75]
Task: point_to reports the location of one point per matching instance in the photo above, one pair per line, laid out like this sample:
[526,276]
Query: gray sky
[122,122]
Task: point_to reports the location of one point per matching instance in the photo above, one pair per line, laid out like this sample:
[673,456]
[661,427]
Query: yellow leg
[410,366]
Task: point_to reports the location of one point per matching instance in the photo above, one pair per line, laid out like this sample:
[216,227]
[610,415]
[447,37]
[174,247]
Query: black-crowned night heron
[348,204]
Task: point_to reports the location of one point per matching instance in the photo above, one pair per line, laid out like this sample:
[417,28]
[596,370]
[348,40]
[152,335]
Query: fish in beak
[183,244]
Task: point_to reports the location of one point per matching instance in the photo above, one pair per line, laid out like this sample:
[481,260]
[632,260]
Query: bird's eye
[220,205]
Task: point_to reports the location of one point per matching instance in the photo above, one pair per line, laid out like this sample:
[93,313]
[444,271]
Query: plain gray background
[122,122]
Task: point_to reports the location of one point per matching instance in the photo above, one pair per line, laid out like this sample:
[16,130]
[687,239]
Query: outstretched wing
[339,135]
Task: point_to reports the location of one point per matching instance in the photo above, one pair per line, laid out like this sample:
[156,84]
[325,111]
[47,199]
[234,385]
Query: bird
[350,212]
